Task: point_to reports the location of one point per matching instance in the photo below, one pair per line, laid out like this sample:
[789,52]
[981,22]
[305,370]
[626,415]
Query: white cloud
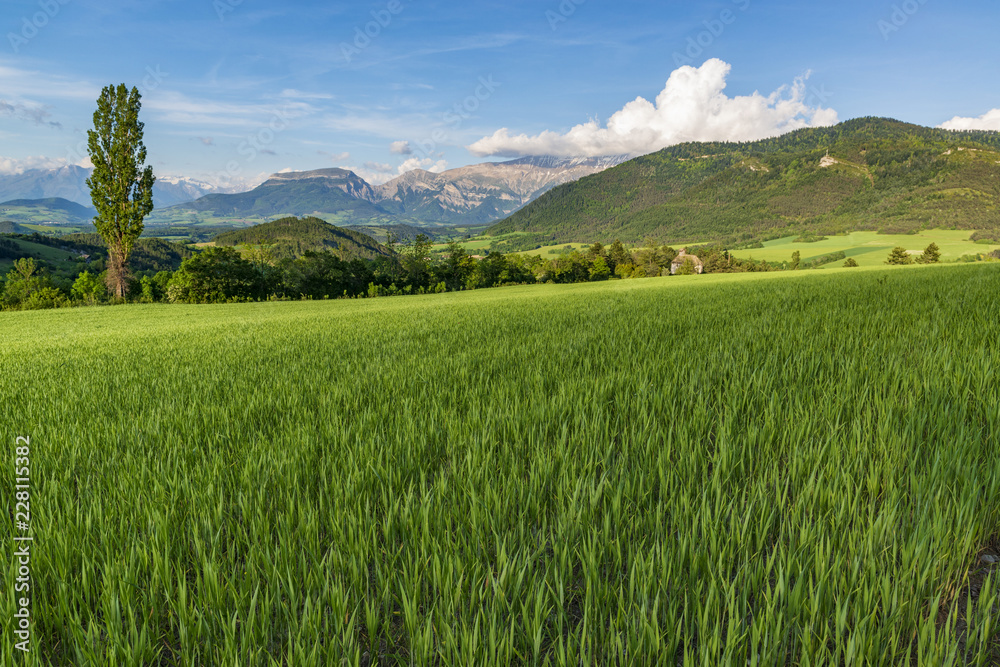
[14,166]
[988,121]
[20,82]
[378,173]
[223,182]
[692,107]
[422,163]
[178,108]
[400,148]
[291,93]
[335,157]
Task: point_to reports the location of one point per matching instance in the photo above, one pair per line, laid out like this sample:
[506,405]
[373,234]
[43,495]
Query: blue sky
[237,89]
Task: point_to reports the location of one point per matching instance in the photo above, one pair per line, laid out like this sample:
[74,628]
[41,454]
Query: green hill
[333,193]
[148,254]
[40,211]
[399,232]
[60,258]
[864,174]
[290,237]
[9,227]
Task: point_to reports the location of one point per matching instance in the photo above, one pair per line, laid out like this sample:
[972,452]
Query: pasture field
[59,230]
[472,246]
[58,258]
[545,251]
[870,248]
[761,469]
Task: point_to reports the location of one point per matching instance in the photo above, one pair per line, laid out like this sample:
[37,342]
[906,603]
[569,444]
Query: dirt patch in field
[987,563]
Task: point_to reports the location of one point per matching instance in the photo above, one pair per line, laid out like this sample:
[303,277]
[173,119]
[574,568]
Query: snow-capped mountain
[475,194]
[70,183]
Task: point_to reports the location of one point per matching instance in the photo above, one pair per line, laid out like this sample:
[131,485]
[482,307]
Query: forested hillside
[867,174]
[291,237]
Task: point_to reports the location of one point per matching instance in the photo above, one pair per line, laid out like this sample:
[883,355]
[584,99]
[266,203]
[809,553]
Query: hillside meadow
[799,468]
[869,248]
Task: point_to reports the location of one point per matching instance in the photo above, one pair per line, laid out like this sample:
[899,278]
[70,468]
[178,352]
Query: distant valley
[473,195]
[70,183]
[866,174]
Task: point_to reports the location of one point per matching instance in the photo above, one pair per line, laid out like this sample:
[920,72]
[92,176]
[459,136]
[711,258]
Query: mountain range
[476,194]
[70,183]
[472,195]
[864,174]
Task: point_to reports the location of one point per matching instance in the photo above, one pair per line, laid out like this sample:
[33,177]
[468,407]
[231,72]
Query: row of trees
[223,274]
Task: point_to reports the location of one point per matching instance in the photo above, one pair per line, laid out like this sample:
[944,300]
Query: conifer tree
[899,256]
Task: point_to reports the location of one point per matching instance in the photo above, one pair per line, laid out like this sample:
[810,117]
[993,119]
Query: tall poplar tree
[120,187]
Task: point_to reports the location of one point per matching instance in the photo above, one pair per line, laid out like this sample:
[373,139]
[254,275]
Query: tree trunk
[117,273]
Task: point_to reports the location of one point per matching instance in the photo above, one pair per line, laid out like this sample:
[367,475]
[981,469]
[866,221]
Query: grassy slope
[55,256]
[53,210]
[889,175]
[870,248]
[577,461]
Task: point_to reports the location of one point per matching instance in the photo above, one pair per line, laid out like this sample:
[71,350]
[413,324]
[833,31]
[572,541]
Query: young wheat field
[762,469]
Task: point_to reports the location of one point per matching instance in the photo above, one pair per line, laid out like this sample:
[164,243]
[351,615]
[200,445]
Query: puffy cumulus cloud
[692,107]
[426,164]
[400,148]
[988,121]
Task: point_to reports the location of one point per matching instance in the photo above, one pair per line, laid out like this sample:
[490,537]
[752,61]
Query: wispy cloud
[474,43]
[175,107]
[292,94]
[336,158]
[37,84]
[34,113]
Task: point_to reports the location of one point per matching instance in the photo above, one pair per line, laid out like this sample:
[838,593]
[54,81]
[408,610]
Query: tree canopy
[121,187]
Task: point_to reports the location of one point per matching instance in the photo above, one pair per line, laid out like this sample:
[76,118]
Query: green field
[60,230]
[474,246]
[757,469]
[870,248]
[65,262]
[544,251]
